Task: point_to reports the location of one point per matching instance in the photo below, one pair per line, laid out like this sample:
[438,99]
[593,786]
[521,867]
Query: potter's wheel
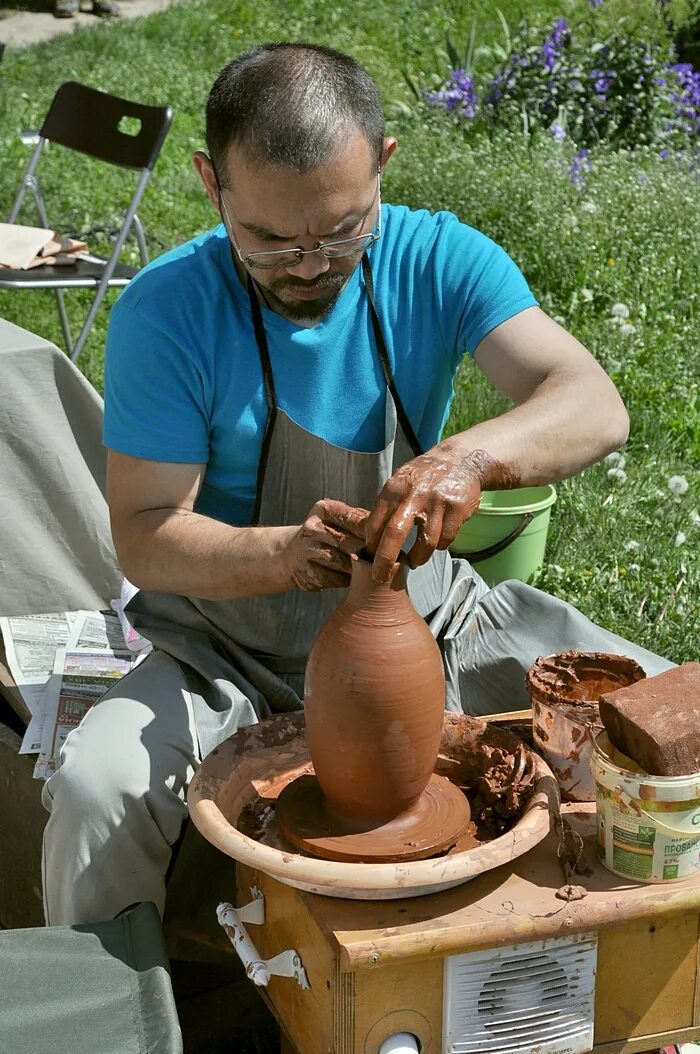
[437,821]
[245,775]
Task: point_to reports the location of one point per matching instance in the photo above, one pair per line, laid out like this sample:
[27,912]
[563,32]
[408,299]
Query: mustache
[325,282]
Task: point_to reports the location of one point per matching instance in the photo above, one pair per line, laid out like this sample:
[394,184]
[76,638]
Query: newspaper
[31,643]
[94,659]
[62,663]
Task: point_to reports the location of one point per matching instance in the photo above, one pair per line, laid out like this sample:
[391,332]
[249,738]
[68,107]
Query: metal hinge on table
[259,970]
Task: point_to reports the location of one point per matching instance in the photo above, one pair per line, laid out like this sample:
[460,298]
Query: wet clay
[486,762]
[573,681]
[440,819]
[657,722]
[374,698]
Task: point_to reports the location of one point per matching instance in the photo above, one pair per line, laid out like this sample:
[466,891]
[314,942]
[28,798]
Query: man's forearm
[176,551]
[562,428]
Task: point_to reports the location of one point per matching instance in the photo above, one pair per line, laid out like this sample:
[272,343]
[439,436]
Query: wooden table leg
[286,1045]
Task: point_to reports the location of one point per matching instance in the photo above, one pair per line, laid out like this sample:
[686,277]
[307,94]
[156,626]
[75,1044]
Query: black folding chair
[91,122]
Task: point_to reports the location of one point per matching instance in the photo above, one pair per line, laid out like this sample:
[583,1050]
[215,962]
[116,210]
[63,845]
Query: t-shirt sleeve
[155,397]
[481,285]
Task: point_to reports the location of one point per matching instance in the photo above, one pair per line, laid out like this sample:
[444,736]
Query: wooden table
[380,967]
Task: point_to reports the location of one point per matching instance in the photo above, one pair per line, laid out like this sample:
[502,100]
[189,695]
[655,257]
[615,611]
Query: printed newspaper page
[31,642]
[95,658]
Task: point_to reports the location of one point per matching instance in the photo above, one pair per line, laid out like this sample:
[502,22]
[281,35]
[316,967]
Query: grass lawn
[623,547]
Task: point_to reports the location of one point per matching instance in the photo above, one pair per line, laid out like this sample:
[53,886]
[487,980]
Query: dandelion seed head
[631,545]
[681,539]
[616,458]
[617,474]
[678,485]
[587,295]
[620,311]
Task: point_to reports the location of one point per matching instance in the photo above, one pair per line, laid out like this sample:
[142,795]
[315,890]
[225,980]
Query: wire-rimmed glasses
[331,250]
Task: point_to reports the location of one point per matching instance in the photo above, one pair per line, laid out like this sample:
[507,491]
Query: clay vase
[374,700]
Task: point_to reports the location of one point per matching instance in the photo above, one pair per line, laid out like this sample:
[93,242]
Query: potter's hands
[318,555]
[437,492]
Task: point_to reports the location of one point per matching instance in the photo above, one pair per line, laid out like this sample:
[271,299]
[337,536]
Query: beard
[281,299]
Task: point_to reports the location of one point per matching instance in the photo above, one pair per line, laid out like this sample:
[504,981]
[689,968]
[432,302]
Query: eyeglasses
[333,250]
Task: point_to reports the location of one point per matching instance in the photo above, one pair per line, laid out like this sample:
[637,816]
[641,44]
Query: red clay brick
[656,722]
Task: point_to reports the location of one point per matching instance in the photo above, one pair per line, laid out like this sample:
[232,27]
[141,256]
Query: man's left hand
[437,492]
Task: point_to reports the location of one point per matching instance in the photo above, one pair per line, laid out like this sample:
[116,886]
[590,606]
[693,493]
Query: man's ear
[205,171]
[388,147]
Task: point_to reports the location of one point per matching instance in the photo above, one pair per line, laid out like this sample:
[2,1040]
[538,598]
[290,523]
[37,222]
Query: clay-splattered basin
[259,761]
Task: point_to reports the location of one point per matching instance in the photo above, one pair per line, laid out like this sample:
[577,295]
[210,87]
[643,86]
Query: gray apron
[244,659]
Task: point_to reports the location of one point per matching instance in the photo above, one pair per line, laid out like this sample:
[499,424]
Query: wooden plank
[646,977]
[510,904]
[22,821]
[398,998]
[306,1016]
[9,690]
[649,1044]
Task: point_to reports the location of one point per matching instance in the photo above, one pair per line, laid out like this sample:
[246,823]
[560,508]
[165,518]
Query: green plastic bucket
[507,535]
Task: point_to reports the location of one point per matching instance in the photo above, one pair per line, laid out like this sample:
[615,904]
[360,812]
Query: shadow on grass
[10,7]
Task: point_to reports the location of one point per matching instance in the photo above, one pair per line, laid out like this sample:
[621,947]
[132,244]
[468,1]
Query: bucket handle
[498,547]
[634,806]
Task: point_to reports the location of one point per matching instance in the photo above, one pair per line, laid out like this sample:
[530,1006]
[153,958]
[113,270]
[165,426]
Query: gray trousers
[118,800]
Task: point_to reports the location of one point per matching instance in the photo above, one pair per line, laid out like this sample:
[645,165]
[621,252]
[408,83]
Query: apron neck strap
[270,396]
[384,360]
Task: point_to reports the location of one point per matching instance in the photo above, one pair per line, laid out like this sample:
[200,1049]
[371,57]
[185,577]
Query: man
[275,393]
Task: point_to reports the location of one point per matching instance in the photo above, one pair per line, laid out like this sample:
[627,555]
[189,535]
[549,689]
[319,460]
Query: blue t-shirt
[183,381]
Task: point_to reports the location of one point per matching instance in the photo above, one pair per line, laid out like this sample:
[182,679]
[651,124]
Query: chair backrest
[89,121]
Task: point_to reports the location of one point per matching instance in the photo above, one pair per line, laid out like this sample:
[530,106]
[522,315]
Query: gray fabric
[117,801]
[84,990]
[56,550]
[489,645]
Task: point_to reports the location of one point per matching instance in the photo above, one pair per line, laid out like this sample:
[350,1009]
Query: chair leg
[87,324]
[64,321]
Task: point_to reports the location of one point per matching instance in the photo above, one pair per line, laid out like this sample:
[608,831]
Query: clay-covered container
[565,689]
[374,699]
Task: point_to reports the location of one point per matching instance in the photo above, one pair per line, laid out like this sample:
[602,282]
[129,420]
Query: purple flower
[602,79]
[595,3]
[686,98]
[553,43]
[579,166]
[459,96]
[557,131]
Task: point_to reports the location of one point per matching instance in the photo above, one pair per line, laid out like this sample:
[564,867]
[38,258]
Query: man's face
[267,208]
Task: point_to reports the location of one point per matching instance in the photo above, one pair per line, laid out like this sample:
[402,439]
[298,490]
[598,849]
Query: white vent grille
[535,998]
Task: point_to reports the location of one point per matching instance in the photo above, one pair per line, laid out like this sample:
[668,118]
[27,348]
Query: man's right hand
[319,555]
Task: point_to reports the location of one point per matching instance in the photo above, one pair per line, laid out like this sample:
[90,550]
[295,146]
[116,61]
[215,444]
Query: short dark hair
[292,104]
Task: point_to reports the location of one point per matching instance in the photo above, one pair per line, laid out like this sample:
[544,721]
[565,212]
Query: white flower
[587,295]
[616,458]
[588,206]
[634,567]
[620,311]
[695,517]
[618,474]
[678,485]
[627,329]
[681,539]
[631,545]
